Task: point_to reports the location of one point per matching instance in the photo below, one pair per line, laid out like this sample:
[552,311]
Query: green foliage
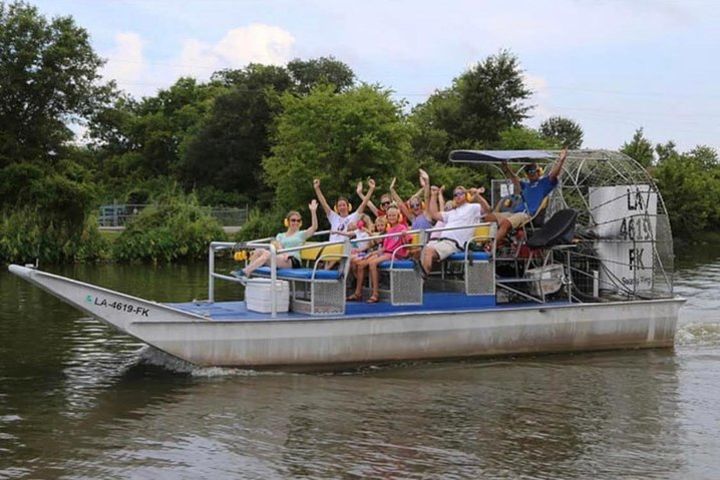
[666,151]
[340,138]
[690,192]
[137,140]
[227,151]
[48,76]
[481,103]
[523,138]
[261,224]
[639,149]
[177,228]
[563,132]
[29,233]
[320,71]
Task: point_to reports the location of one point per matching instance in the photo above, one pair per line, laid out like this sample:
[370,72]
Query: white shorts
[444,248]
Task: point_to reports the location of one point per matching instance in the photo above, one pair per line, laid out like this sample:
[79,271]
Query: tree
[666,151]
[153,129]
[226,153]
[563,132]
[48,77]
[324,70]
[340,138]
[481,103]
[523,138]
[639,149]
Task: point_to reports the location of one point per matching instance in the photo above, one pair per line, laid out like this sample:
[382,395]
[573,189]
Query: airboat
[594,274]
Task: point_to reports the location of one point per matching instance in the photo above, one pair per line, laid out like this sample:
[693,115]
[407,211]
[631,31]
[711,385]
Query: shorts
[443,247]
[295,262]
[516,219]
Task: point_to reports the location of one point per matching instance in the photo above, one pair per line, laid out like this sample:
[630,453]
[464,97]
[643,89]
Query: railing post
[273,279]
[211,268]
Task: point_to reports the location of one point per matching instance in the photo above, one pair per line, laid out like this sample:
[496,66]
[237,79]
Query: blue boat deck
[433,302]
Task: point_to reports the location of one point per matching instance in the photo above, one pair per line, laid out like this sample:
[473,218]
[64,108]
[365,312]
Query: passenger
[293,237]
[381,224]
[464,213]
[385,201]
[362,230]
[447,206]
[382,254]
[415,209]
[360,247]
[359,231]
[533,191]
[340,216]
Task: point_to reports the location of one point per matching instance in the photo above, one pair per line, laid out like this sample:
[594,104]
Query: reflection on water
[81,401]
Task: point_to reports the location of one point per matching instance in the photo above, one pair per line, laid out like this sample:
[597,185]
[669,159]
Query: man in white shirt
[465,213]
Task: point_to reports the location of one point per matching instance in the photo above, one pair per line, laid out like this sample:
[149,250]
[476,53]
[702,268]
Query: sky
[612,66]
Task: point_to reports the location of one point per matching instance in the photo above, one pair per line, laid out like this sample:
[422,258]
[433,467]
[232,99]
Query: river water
[78,400]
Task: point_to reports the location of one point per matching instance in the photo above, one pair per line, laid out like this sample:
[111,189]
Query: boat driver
[533,192]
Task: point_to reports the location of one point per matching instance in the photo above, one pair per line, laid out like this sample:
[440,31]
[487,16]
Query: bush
[30,234]
[261,224]
[175,229]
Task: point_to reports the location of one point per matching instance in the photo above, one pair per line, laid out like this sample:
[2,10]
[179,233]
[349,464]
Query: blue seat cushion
[398,265]
[300,273]
[460,256]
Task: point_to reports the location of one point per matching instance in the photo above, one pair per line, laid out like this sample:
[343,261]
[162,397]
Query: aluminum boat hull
[286,342]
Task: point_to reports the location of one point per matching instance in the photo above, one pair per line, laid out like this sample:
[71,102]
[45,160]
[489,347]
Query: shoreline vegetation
[256,135]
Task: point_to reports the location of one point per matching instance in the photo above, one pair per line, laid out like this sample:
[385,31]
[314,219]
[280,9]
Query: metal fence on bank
[118,214]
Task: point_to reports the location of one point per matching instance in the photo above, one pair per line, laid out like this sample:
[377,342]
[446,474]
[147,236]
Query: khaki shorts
[516,219]
[444,248]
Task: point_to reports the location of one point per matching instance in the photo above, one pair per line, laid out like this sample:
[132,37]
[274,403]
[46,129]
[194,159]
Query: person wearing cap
[470,208]
[533,192]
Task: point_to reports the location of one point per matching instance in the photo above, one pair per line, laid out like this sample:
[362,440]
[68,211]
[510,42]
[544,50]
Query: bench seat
[460,256]
[398,265]
[301,273]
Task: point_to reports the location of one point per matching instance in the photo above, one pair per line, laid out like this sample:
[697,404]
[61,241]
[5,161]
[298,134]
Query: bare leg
[375,274]
[504,227]
[428,256]
[360,277]
[257,259]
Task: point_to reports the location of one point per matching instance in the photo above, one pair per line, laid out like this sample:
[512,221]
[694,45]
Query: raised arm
[313,213]
[433,209]
[321,197]
[512,176]
[557,168]
[366,199]
[370,204]
[425,186]
[399,201]
[478,198]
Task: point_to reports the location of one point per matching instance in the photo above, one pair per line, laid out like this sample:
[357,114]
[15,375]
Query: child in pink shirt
[383,254]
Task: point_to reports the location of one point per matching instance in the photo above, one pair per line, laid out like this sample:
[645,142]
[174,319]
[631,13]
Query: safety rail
[274,252]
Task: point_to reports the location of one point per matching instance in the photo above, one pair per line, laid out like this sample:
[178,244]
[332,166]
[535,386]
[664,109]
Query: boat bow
[115,308]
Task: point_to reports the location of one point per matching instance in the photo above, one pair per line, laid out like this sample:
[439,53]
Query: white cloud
[540,97]
[256,43]
[125,61]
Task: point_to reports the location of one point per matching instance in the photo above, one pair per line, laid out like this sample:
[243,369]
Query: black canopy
[495,156]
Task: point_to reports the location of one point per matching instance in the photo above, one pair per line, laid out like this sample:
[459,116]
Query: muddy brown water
[78,400]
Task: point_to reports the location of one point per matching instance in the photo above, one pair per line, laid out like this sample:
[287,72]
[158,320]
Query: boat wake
[153,357]
[698,334]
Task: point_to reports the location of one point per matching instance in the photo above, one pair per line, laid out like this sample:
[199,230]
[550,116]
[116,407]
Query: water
[78,400]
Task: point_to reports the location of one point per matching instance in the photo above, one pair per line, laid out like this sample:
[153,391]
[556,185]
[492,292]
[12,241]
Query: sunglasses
[458,194]
[531,171]
[385,203]
[296,220]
